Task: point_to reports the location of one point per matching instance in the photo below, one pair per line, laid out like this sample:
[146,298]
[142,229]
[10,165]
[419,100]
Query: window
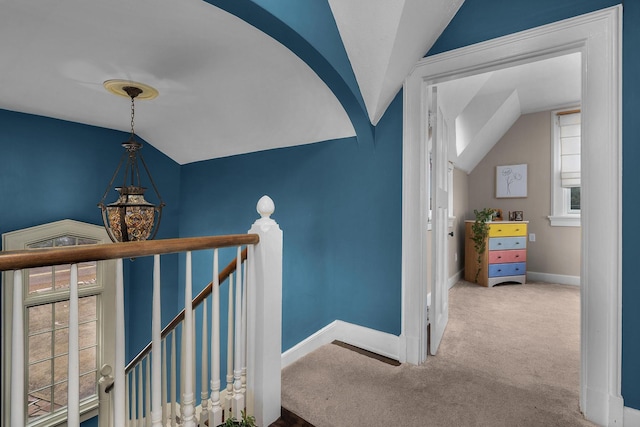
[566,181]
[46,314]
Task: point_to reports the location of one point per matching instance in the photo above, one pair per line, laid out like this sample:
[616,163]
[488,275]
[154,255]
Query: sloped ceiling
[384,39]
[483,107]
[234,76]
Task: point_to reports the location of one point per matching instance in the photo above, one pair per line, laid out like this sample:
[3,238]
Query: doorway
[596,36]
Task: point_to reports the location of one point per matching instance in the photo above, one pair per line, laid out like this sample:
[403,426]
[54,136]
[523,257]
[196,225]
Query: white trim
[597,36]
[450,222]
[18,239]
[309,344]
[369,339]
[561,279]
[564,220]
[631,417]
[455,278]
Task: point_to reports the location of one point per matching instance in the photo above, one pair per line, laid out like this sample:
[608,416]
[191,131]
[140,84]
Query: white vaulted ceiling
[384,39]
[225,87]
[228,86]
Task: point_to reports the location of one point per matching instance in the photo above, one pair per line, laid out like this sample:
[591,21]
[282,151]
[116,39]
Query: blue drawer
[510,269]
[506,243]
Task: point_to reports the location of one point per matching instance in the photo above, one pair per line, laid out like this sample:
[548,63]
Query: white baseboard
[455,278]
[631,417]
[369,339]
[561,279]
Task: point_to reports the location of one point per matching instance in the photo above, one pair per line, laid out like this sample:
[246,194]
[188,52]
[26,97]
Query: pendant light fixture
[131,217]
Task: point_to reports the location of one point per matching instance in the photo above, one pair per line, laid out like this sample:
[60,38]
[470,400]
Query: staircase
[158,387]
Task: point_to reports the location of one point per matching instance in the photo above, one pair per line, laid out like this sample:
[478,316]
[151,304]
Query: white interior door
[439,307]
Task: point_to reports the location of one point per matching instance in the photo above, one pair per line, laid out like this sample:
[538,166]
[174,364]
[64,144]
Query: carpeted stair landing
[510,357]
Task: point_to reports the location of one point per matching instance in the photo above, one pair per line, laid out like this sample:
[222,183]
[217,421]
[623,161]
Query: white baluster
[204,392]
[229,395]
[193,364]
[243,350]
[147,390]
[17,353]
[188,410]
[119,386]
[265,321]
[140,397]
[127,399]
[183,352]
[164,382]
[238,398]
[73,385]
[215,411]
[156,405]
[174,381]
[104,398]
[134,400]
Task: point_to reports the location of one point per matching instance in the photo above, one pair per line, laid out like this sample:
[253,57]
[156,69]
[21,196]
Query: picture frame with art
[511,181]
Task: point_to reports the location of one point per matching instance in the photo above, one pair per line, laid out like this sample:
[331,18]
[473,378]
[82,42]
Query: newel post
[264,301]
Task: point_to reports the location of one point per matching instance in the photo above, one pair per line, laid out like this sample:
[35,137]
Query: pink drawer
[496,257]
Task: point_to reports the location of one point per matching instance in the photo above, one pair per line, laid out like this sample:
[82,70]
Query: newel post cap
[265,206]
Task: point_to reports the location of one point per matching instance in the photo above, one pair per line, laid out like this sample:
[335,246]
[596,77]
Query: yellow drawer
[508,229]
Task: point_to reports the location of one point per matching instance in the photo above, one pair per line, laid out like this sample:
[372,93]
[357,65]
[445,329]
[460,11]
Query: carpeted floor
[510,356]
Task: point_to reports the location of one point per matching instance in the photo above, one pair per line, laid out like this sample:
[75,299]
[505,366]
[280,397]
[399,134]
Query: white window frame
[20,239]
[561,213]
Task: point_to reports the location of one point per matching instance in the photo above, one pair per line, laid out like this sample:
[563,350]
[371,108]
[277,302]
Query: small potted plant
[246,421]
[480,230]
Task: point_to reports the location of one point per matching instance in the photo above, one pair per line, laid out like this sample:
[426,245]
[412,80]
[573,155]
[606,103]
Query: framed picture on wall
[511,181]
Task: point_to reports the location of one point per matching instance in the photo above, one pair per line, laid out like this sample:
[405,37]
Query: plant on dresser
[480,232]
[503,259]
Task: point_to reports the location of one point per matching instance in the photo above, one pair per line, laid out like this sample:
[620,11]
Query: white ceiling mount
[123,88]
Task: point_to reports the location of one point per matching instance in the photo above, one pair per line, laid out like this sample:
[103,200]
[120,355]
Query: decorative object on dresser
[503,258]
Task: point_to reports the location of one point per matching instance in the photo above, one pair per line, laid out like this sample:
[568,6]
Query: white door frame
[598,37]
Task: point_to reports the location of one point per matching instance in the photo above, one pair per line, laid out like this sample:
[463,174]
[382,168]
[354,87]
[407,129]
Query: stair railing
[260,297]
[208,408]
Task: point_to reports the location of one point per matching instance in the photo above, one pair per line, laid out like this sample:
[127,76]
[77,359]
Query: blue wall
[54,169]
[339,205]
[338,202]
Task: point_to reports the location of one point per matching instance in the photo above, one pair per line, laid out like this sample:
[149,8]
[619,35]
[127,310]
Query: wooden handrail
[222,276]
[30,258]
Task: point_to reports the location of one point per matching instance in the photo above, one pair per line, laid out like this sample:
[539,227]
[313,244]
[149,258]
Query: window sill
[565,221]
[88,410]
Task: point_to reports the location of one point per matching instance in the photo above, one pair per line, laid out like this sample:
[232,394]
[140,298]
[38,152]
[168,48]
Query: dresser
[505,256]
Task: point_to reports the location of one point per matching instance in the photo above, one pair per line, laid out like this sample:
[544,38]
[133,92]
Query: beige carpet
[510,357]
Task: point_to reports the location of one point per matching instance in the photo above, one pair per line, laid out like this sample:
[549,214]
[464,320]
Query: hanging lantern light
[131,217]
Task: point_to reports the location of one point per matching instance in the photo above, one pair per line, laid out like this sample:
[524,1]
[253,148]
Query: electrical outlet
[532,237]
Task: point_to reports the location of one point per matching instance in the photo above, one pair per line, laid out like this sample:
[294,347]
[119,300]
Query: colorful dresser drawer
[507,229]
[507,269]
[507,243]
[497,257]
